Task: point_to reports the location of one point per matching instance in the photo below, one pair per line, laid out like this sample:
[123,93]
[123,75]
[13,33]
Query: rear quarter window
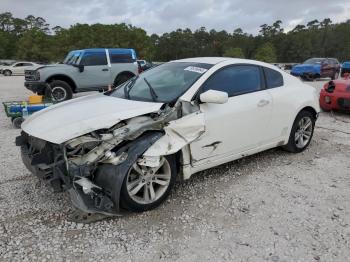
[273,78]
[116,56]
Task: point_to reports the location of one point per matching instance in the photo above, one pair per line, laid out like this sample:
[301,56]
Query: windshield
[72,57]
[164,83]
[314,61]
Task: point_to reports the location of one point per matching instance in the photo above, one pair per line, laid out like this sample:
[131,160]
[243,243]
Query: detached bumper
[36,86]
[43,159]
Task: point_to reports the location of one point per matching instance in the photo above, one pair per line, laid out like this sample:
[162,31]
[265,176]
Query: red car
[335,95]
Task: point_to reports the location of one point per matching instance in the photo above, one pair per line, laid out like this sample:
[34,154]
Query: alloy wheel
[146,185]
[58,93]
[303,132]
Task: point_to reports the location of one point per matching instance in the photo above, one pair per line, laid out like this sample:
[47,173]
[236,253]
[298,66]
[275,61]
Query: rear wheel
[301,133]
[7,73]
[59,91]
[145,188]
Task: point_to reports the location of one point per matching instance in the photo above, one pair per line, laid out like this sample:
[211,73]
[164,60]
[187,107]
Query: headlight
[327,99]
[37,75]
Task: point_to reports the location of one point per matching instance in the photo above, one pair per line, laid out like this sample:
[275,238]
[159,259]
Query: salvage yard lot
[273,206]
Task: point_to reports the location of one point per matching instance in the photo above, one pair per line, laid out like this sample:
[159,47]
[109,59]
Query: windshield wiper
[151,90]
[129,85]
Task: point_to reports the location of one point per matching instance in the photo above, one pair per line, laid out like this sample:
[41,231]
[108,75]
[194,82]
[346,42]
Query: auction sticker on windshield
[196,69]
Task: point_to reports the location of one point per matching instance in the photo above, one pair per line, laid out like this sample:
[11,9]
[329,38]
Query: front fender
[110,177]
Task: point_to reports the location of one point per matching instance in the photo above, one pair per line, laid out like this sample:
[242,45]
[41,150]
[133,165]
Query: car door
[96,74]
[326,68]
[239,125]
[17,68]
[26,66]
[283,103]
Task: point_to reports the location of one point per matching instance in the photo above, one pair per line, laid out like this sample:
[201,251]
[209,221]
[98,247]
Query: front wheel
[17,122]
[145,188]
[59,91]
[301,133]
[7,73]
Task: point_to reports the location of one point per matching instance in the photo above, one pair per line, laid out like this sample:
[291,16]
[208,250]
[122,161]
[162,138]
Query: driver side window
[235,80]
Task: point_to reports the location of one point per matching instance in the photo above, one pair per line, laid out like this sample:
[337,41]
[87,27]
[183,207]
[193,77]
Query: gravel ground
[273,206]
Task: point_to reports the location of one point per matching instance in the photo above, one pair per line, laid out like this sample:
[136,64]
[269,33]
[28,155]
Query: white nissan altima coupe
[124,149]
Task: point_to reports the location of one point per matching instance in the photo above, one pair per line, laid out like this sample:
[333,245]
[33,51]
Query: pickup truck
[83,70]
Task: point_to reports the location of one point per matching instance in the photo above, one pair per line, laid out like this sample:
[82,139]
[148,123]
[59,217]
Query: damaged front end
[92,167]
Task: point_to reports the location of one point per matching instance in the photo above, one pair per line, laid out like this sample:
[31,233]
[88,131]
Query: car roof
[102,49]
[216,60]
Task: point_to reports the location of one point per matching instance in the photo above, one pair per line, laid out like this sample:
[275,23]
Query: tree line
[32,38]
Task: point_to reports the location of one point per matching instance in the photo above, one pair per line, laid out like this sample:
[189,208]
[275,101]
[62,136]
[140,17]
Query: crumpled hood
[70,119]
[307,68]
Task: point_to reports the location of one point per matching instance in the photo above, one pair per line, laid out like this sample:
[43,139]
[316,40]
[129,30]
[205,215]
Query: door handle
[105,69]
[263,102]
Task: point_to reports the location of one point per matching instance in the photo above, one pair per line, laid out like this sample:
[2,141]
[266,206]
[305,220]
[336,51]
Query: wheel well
[127,73]
[311,110]
[64,78]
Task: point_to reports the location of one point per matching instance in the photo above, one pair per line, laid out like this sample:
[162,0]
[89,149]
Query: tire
[7,73]
[59,91]
[138,202]
[122,78]
[296,146]
[335,76]
[17,122]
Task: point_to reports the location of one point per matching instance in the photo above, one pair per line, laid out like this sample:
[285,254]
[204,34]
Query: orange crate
[35,99]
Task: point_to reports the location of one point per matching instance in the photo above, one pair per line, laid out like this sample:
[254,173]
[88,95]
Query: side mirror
[80,67]
[214,97]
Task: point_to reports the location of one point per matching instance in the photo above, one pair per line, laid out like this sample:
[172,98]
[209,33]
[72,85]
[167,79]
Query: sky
[160,16]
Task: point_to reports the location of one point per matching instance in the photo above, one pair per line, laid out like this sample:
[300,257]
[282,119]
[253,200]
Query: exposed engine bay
[92,167]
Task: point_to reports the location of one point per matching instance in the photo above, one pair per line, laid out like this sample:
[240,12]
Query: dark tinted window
[235,80]
[273,78]
[27,64]
[18,64]
[334,61]
[94,58]
[328,61]
[314,61]
[121,56]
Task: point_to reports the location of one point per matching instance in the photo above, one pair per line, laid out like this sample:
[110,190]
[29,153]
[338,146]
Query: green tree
[234,52]
[266,53]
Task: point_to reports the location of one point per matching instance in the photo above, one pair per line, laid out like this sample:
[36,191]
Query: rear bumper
[36,86]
